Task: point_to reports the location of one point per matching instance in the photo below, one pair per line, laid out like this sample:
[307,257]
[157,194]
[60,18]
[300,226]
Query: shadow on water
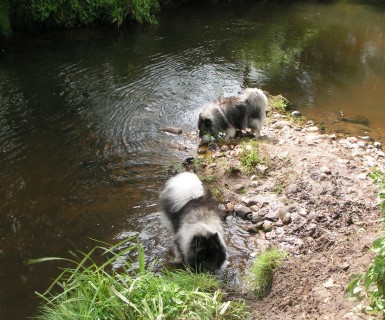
[82,155]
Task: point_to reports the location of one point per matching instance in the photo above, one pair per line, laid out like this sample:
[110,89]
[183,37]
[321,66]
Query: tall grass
[92,291]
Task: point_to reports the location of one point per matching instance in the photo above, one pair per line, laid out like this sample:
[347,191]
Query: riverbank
[307,193]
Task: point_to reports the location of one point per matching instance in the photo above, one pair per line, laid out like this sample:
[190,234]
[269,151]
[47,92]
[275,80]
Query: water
[82,155]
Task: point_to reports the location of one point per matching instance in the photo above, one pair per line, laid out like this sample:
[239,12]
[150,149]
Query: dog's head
[205,126]
[207,253]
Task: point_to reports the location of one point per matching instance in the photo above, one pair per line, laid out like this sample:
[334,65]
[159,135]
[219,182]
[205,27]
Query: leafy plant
[260,275]
[379,179]
[370,286]
[91,291]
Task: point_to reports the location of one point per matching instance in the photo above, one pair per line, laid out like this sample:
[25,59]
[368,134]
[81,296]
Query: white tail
[181,189]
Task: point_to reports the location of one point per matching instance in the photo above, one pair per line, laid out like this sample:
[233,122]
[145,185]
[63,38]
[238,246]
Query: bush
[32,14]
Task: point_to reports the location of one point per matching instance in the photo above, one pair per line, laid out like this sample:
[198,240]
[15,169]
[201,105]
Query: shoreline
[309,195]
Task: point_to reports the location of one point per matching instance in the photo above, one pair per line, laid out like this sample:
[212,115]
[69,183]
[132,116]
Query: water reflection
[82,155]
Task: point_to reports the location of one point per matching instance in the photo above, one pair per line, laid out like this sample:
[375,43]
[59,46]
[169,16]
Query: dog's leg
[230,133]
[257,133]
[177,255]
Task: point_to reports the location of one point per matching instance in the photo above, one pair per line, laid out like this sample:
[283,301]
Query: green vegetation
[217,194]
[37,14]
[91,291]
[379,179]
[369,287]
[260,277]
[250,157]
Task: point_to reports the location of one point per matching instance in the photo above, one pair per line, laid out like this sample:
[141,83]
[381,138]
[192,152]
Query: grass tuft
[260,275]
[250,157]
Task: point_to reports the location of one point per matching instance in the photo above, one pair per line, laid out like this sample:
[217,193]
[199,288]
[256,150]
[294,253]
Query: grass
[92,291]
[250,157]
[260,275]
[217,194]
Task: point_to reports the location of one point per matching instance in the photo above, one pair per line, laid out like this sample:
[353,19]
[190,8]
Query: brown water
[80,111]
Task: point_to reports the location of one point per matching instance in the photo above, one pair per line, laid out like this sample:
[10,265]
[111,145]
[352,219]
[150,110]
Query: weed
[217,194]
[278,187]
[174,167]
[209,179]
[379,179]
[260,275]
[250,157]
[369,287]
[372,283]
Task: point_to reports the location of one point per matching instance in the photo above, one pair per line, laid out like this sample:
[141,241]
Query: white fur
[182,188]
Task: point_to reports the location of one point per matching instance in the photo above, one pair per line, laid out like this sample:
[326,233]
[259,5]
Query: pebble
[296,114]
[281,124]
[242,211]
[267,226]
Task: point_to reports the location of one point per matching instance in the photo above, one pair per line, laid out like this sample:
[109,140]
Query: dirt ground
[310,196]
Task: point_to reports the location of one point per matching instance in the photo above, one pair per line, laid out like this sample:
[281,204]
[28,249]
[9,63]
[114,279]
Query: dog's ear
[214,239]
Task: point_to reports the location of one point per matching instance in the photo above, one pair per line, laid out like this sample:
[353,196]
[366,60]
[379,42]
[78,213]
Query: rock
[286,219]
[267,226]
[281,124]
[255,217]
[230,207]
[366,138]
[224,148]
[296,114]
[242,211]
[172,130]
[311,129]
[325,170]
[377,144]
[272,216]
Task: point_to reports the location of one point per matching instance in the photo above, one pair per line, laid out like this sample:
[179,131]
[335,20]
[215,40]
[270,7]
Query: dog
[193,217]
[247,110]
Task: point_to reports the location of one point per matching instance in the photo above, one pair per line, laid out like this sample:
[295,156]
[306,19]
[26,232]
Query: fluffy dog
[192,215]
[247,110]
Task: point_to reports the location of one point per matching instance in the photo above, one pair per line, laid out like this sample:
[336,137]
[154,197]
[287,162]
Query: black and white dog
[192,215]
[248,110]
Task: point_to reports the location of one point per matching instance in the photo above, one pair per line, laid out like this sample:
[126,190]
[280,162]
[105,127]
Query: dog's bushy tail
[179,191]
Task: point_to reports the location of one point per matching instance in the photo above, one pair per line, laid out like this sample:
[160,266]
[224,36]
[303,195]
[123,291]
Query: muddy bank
[308,194]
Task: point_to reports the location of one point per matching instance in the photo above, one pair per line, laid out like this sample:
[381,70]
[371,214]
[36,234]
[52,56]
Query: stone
[242,211]
[296,114]
[325,170]
[267,226]
[281,124]
[286,219]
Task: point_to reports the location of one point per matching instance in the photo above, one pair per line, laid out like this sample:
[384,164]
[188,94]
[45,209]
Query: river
[82,153]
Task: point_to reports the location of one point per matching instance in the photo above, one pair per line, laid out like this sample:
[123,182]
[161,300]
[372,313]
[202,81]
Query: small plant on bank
[379,179]
[369,288]
[92,291]
[250,157]
[217,194]
[260,275]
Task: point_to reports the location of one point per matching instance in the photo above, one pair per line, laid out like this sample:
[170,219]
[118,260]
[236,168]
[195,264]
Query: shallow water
[82,155]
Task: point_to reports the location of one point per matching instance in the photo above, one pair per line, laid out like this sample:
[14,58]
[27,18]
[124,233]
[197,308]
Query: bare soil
[310,196]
